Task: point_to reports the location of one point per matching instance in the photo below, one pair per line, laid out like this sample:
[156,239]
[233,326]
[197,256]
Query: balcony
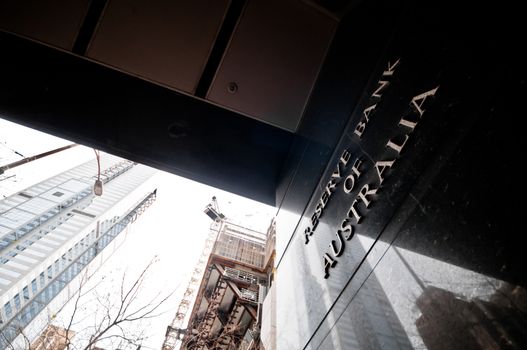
[249,295]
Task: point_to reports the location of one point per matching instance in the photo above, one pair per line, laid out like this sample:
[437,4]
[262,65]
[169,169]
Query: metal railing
[243,276]
[249,295]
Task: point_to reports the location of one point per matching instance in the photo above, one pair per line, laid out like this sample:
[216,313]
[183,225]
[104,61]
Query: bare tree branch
[79,296]
[114,315]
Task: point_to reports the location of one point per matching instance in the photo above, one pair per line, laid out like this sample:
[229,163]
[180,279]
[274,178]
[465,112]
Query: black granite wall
[436,259]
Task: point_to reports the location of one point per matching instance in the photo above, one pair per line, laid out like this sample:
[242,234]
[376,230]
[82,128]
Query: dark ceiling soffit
[82,101]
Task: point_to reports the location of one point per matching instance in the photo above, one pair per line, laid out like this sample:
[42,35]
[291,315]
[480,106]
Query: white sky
[173,229]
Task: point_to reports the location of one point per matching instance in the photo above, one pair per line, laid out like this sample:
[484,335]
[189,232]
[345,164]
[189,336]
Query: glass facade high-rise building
[51,231]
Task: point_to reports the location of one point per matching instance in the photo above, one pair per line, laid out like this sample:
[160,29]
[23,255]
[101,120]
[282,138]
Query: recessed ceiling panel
[273,60]
[164,41]
[55,22]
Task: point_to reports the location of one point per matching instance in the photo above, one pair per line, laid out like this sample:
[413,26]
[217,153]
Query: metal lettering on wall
[364,199]
[336,176]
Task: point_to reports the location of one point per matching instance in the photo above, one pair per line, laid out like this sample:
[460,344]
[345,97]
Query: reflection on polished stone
[414,301]
[449,322]
[431,255]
